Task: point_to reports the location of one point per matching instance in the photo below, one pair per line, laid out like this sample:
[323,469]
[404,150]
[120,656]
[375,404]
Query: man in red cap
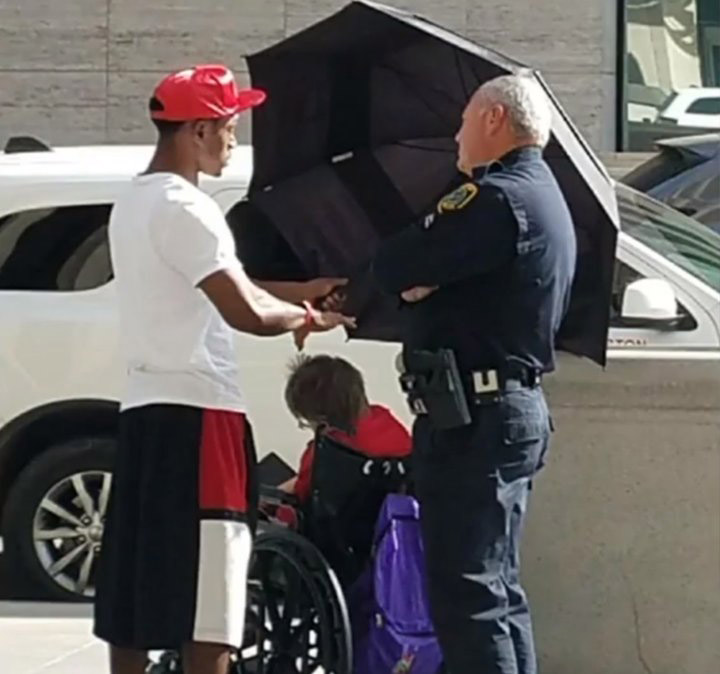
[178,538]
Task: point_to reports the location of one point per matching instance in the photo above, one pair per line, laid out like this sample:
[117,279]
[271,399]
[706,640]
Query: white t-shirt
[166,236]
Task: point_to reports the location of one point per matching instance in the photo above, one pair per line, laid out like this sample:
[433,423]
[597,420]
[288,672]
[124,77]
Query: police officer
[486,281]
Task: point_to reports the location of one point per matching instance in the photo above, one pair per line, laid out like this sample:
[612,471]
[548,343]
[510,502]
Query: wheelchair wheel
[296,610]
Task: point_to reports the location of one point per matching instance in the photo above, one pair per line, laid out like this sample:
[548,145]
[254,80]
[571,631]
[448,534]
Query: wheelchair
[305,559]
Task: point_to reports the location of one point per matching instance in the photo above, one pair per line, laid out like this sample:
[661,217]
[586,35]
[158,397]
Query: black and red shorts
[177,542]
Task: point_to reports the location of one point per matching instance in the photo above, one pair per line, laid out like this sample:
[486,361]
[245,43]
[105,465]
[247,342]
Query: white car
[60,372]
[695,107]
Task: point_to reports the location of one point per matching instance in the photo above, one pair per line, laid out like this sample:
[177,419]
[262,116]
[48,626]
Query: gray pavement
[41,638]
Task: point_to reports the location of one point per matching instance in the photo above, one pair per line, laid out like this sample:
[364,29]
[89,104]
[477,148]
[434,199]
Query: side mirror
[650,303]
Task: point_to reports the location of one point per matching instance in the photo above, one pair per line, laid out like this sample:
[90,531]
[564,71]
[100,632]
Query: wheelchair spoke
[297,613]
[271,598]
[289,653]
[303,633]
[263,635]
[305,647]
[293,593]
[300,633]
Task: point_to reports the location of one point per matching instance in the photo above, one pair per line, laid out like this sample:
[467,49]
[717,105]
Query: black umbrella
[356,141]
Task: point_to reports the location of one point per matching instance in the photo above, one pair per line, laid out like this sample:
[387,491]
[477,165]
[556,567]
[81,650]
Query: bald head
[506,112]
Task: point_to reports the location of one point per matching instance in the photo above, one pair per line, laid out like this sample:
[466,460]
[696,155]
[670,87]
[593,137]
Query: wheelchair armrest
[274,496]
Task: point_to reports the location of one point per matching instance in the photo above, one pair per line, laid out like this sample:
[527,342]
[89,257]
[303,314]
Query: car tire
[63,491]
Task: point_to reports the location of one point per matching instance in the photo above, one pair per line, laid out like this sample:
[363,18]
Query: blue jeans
[473,484]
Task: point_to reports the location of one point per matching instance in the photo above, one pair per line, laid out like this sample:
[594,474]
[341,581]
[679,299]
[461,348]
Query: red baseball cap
[202,92]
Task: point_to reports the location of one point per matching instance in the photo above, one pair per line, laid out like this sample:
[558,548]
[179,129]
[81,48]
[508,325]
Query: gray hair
[526,102]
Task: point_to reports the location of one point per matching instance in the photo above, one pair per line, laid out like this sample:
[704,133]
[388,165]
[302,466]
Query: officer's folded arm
[477,238]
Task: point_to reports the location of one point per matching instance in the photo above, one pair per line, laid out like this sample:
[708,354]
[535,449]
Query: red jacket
[378,434]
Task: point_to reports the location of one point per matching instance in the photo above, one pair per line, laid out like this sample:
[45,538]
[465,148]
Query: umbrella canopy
[356,142]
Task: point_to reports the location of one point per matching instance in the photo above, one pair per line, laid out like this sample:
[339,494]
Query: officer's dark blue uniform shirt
[502,250]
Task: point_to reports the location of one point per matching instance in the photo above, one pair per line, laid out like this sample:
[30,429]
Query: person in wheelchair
[350,465]
[327,395]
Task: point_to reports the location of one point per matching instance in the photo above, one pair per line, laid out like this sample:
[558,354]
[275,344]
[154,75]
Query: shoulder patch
[458,199]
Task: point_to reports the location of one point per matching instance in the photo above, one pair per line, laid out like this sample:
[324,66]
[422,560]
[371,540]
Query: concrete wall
[80,71]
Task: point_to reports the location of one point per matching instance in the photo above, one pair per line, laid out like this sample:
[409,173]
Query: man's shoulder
[163,192]
[183,201]
[469,196]
[459,198]
[516,183]
[525,172]
[188,197]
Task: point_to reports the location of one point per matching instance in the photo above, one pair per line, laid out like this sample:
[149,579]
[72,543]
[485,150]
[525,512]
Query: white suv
[695,107]
[60,372]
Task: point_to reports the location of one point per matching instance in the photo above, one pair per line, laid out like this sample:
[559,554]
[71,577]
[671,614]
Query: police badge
[458,199]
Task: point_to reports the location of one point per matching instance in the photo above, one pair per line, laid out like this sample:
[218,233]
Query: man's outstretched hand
[321,321]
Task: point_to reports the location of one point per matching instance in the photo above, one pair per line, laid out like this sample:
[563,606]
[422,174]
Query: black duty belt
[436,387]
[486,386]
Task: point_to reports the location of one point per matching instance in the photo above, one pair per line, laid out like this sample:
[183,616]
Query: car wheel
[54,519]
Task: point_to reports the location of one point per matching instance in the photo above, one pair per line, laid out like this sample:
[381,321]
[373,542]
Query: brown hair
[326,390]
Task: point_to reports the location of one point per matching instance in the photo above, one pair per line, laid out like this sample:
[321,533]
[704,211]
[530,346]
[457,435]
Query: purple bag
[392,629]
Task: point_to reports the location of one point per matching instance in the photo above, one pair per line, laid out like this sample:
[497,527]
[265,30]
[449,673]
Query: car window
[709,190]
[666,164]
[688,243]
[55,249]
[705,106]
[699,199]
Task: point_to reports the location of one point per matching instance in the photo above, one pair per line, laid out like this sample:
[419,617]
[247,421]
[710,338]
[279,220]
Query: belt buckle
[485,381]
[418,407]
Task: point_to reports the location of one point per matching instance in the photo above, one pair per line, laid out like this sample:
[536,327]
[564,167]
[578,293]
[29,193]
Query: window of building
[672,70]
[55,249]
